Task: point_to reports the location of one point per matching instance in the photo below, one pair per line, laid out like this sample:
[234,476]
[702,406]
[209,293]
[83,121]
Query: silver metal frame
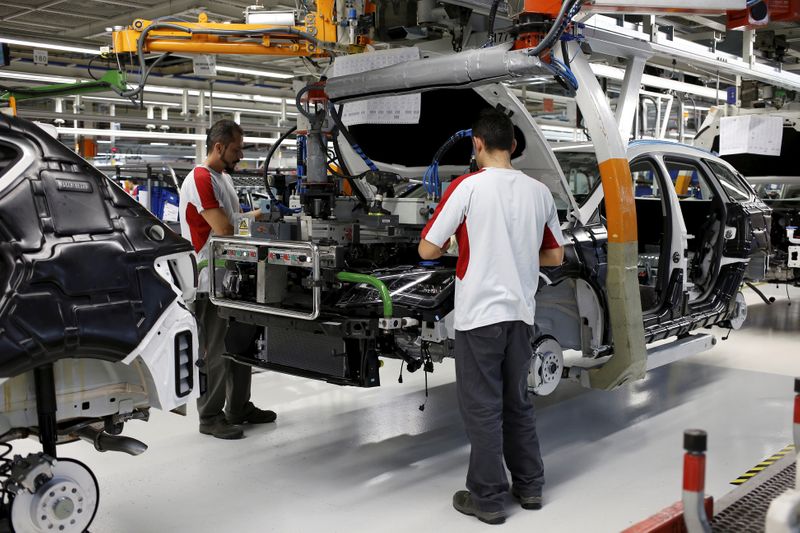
[316,295]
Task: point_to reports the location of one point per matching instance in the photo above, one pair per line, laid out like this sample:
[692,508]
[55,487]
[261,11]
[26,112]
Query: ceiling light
[35,77]
[123,101]
[222,95]
[254,72]
[51,46]
[134,134]
[251,111]
[159,144]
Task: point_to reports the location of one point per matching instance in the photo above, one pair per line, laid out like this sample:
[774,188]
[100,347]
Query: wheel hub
[740,313]
[547,365]
[64,503]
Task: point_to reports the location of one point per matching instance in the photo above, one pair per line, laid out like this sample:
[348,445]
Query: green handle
[352,277]
[219,263]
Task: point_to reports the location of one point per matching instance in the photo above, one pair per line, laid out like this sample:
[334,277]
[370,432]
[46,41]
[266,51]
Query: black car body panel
[76,258]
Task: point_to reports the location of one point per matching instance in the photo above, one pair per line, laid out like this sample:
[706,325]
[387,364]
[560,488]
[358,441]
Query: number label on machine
[296,258]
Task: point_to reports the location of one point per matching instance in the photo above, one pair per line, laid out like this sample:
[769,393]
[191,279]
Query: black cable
[272,150]
[337,119]
[89,67]
[338,151]
[555,30]
[492,17]
[351,180]
[299,103]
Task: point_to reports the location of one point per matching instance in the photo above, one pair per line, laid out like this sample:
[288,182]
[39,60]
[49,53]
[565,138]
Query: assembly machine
[332,270]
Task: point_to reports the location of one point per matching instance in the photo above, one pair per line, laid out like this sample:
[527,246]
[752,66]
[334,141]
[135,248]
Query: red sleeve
[442,202]
[202,180]
[549,241]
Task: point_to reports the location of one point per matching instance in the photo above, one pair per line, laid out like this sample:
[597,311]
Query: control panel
[297,258]
[266,276]
[247,254]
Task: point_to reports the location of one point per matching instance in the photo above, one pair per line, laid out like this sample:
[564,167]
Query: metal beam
[629,96]
[38,25]
[122,3]
[56,12]
[614,73]
[41,114]
[157,81]
[706,22]
[704,36]
[30,10]
[164,9]
[693,53]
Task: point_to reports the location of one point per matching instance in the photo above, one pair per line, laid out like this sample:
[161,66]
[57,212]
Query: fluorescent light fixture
[35,77]
[245,111]
[251,111]
[159,144]
[51,46]
[134,134]
[123,101]
[148,89]
[222,95]
[103,142]
[255,72]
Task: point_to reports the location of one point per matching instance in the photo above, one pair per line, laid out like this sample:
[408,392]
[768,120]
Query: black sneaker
[254,416]
[462,502]
[532,503]
[221,429]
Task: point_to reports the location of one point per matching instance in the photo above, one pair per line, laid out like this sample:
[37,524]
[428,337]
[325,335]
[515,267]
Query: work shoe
[254,416]
[532,503]
[221,429]
[462,501]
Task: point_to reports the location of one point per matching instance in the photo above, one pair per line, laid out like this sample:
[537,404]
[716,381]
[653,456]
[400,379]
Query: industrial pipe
[352,277]
[465,69]
[103,442]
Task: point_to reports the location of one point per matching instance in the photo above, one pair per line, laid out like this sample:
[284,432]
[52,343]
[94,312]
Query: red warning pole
[796,427]
[694,481]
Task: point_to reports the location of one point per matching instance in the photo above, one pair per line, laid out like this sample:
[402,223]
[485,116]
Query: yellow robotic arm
[313,36]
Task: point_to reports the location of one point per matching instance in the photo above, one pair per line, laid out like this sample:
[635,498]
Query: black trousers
[492,364]
[228,382]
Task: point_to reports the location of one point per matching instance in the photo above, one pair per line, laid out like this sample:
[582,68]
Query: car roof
[757,180]
[638,147]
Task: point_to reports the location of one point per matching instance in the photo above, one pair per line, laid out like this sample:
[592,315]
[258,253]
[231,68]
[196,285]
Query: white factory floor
[365,460]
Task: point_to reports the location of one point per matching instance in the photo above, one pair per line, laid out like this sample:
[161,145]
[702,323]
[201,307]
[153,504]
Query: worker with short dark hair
[506,226]
[209,204]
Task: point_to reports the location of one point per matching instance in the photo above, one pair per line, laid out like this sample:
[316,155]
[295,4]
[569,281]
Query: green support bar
[352,277]
[113,79]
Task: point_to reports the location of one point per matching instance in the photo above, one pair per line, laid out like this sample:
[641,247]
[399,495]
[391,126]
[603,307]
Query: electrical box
[664,6]
[761,14]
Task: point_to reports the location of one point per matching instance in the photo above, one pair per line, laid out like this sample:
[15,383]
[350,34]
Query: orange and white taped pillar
[629,361]
[694,481]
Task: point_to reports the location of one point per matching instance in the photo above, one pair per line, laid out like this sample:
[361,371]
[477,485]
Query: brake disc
[740,313]
[64,503]
[547,365]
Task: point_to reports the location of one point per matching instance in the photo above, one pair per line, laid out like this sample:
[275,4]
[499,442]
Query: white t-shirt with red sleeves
[204,188]
[501,218]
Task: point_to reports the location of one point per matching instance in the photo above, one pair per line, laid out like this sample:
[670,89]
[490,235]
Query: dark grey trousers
[492,364]
[228,382]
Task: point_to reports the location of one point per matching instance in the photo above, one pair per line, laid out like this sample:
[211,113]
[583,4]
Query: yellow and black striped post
[763,465]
